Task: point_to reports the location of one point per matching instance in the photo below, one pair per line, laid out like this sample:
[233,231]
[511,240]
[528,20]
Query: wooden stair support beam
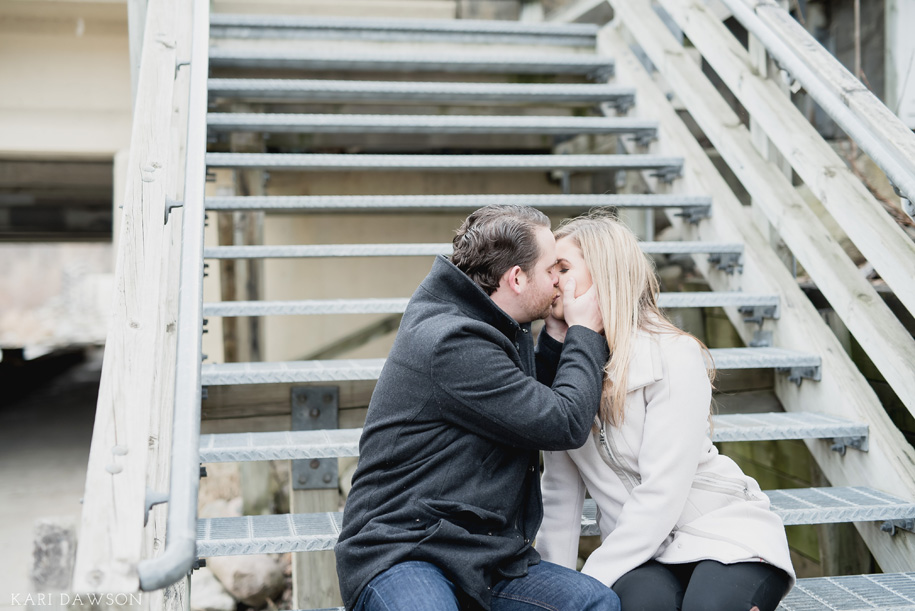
[890,463]
[873,324]
[857,211]
[111,534]
[244,280]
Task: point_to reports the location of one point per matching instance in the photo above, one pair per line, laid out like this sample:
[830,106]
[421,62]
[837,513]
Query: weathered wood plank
[111,533]
[890,463]
[249,400]
[857,211]
[173,598]
[314,582]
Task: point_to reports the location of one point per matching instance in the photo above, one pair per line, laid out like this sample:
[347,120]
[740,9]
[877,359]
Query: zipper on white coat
[724,485]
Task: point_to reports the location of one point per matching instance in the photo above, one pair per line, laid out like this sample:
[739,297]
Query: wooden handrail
[135,382]
[855,209]
[856,302]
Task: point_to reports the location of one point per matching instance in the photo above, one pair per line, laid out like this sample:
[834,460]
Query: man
[446,500]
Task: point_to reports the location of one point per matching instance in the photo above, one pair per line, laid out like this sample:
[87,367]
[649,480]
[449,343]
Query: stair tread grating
[776,425]
[506,63]
[889,591]
[286,445]
[813,506]
[398,305]
[406,91]
[884,591]
[413,203]
[367,162]
[291,372]
[369,369]
[314,532]
[426,249]
[440,124]
[280,445]
[405,24]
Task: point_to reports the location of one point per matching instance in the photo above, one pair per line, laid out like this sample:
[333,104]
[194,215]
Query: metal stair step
[812,506]
[308,90]
[398,305]
[694,206]
[429,124]
[425,250]
[276,534]
[778,425]
[369,369]
[290,445]
[412,30]
[666,167]
[280,445]
[597,67]
[762,358]
[290,372]
[884,591]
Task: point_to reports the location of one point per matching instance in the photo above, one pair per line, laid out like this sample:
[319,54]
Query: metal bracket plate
[840,444]
[668,174]
[727,262]
[315,408]
[798,374]
[694,214]
[890,526]
[762,339]
[622,104]
[758,314]
[153,498]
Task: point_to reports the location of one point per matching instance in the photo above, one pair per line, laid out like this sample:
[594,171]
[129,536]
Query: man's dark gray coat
[449,465]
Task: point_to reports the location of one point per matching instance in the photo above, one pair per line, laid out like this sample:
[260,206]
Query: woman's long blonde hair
[627,293]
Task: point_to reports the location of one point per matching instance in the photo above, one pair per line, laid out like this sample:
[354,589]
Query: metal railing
[181,532]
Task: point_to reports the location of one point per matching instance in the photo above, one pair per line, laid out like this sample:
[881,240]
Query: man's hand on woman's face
[582,310]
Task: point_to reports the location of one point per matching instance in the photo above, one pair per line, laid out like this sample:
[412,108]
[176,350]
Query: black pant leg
[650,587]
[714,586]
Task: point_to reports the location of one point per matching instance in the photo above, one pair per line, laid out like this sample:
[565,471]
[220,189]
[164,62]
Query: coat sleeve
[676,420]
[487,392]
[563,499]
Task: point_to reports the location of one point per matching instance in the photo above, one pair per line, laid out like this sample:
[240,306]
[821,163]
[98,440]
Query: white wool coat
[662,489]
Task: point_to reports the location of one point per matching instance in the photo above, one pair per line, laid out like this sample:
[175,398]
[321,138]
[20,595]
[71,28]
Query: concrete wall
[65,78]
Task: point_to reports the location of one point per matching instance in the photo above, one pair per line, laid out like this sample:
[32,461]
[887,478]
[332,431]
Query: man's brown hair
[494,239]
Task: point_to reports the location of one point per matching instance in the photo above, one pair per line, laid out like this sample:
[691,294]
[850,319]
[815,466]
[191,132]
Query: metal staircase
[464,81]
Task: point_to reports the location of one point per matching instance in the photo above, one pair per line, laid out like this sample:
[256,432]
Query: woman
[682,527]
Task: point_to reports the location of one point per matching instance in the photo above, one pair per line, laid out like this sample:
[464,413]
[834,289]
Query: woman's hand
[556,327]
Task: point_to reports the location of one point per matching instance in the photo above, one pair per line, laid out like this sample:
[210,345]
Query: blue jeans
[422,586]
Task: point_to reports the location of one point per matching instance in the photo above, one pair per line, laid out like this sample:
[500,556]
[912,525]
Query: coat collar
[645,366]
[448,283]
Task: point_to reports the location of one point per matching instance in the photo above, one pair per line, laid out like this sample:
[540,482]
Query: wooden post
[242,280]
[314,574]
[315,489]
[249,230]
